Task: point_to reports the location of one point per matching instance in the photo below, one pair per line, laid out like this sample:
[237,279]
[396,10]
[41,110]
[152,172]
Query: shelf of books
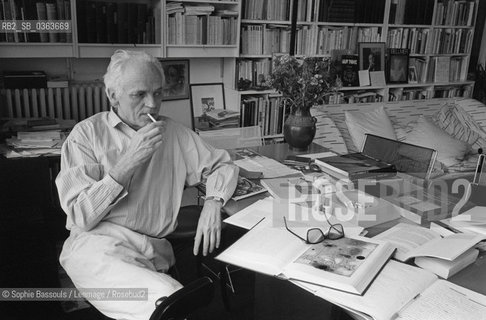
[435,35]
[264,109]
[25,25]
[202,28]
[94,28]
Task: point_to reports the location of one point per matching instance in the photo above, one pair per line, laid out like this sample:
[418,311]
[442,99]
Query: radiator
[77,102]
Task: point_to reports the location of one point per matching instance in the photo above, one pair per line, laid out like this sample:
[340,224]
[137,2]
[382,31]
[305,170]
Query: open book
[444,256]
[347,264]
[402,291]
[416,241]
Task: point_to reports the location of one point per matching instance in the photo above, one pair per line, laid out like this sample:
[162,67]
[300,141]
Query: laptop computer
[414,160]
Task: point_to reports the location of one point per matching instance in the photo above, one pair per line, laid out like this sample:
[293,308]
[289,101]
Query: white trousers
[112,256]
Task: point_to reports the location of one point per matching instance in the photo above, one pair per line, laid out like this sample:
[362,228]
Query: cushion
[327,133]
[425,133]
[458,123]
[375,122]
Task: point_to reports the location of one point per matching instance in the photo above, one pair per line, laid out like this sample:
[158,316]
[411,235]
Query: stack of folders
[444,256]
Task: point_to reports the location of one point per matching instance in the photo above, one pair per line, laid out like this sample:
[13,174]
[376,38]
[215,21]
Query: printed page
[396,285]
[258,212]
[264,249]
[406,238]
[445,301]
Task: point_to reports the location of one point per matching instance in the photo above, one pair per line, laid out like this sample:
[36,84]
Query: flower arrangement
[305,82]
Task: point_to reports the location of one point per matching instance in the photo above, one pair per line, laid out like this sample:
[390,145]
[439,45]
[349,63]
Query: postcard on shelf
[377,78]
[364,78]
[356,166]
[348,264]
[401,291]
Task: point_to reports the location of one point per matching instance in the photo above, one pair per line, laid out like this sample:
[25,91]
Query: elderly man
[121,182]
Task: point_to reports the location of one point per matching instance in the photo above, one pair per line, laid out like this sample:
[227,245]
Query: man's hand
[209,227]
[142,146]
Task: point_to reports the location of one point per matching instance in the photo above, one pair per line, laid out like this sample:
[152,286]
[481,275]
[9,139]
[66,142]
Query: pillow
[455,121]
[449,150]
[375,122]
[327,133]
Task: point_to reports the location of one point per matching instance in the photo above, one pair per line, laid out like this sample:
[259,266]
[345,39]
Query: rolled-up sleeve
[86,193]
[212,166]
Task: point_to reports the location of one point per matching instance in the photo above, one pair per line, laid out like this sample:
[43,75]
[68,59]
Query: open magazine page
[264,249]
[348,264]
[395,286]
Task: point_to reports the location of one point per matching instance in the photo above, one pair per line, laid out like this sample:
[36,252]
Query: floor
[256,297]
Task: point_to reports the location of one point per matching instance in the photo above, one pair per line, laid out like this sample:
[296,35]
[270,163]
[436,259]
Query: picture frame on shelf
[176,73]
[412,74]
[397,68]
[371,56]
[204,98]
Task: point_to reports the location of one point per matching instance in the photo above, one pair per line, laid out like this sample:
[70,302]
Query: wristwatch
[215,198]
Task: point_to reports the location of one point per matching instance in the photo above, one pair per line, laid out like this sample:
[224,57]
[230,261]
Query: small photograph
[176,74]
[371,56]
[412,74]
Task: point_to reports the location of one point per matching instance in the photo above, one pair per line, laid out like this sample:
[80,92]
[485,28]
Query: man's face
[141,94]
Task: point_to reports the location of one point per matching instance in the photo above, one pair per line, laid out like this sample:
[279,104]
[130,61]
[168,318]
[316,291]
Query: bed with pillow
[455,127]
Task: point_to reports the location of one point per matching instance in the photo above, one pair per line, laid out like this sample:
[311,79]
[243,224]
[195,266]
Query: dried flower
[305,82]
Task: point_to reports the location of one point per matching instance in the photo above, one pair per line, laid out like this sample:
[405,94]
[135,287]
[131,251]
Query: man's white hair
[119,60]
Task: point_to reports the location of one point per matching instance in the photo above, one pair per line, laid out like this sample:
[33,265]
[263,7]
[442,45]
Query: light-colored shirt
[150,203]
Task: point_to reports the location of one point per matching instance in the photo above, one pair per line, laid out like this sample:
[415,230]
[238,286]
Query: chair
[231,138]
[185,232]
[185,301]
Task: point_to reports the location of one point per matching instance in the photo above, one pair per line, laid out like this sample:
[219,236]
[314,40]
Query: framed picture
[397,70]
[205,97]
[176,73]
[371,56]
[412,74]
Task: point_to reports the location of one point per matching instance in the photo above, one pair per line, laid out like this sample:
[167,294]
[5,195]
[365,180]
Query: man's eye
[137,95]
[157,93]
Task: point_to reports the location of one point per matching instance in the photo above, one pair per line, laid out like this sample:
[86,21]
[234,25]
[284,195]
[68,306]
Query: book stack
[219,118]
[36,137]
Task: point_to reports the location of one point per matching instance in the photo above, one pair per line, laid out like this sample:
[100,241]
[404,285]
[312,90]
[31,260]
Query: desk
[473,277]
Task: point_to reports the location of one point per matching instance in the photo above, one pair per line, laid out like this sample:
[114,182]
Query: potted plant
[304,83]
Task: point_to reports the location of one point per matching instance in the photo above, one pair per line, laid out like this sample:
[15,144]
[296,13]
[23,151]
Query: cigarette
[151,118]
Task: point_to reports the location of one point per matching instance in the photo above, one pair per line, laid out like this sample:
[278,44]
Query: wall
[201,71]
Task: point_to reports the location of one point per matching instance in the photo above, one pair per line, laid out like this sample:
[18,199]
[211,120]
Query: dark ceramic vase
[300,129]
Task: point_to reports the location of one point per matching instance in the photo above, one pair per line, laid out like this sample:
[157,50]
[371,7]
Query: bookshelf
[98,27]
[437,33]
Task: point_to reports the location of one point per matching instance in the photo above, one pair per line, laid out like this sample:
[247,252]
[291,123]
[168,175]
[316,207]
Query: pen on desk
[151,118]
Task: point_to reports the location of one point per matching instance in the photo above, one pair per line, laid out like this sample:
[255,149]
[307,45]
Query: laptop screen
[414,160]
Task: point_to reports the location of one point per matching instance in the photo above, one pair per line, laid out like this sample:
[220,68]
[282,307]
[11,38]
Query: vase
[299,129]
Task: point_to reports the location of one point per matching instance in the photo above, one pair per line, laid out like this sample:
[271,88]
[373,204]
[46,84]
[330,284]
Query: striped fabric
[401,113]
[327,134]
[455,121]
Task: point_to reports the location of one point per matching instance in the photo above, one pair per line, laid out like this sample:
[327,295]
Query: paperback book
[348,264]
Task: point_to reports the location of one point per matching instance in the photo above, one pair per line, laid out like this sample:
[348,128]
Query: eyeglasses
[315,235]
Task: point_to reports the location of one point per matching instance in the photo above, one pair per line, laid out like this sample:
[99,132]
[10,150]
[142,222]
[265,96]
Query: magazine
[244,188]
